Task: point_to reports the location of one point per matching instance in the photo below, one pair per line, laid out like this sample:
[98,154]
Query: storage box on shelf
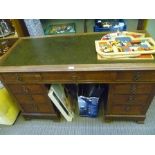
[111,25]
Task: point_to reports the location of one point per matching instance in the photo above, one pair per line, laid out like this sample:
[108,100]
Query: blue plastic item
[88,106]
[110,25]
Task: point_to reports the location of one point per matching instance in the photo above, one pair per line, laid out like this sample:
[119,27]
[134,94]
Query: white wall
[150,28]
[131,24]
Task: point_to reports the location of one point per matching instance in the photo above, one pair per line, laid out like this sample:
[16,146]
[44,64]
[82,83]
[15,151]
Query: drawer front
[102,76]
[126,110]
[43,103]
[79,76]
[35,103]
[36,88]
[28,108]
[10,77]
[135,76]
[129,99]
[21,77]
[59,76]
[16,88]
[24,99]
[41,99]
[29,77]
[133,88]
[45,108]
[27,88]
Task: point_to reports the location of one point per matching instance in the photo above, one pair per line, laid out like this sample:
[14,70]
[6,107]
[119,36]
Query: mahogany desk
[33,63]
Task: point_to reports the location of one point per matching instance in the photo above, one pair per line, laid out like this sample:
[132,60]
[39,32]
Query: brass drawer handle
[25,89]
[133,91]
[19,78]
[137,76]
[133,88]
[74,77]
[131,98]
[37,76]
[127,108]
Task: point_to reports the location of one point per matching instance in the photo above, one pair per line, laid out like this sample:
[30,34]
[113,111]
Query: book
[58,97]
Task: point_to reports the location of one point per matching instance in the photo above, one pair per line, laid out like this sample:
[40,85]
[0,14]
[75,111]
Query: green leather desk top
[58,50]
[73,49]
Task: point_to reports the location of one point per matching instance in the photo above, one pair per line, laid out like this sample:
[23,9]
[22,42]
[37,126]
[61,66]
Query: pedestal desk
[33,63]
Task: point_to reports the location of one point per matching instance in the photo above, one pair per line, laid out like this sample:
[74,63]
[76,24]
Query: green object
[56,50]
[60,29]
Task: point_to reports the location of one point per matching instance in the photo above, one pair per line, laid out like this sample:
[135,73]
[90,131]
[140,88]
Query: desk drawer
[27,88]
[135,76]
[29,77]
[24,99]
[36,89]
[78,76]
[62,77]
[21,77]
[41,99]
[35,103]
[126,110]
[10,77]
[129,99]
[33,108]
[92,76]
[132,88]
[28,108]
[59,76]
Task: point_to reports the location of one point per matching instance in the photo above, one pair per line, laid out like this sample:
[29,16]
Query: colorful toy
[125,47]
[112,36]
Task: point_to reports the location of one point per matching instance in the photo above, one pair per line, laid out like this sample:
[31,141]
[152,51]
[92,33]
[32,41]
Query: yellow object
[8,108]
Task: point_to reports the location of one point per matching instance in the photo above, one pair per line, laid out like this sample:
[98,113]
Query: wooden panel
[36,88]
[30,108]
[10,77]
[126,110]
[132,88]
[21,77]
[20,27]
[136,76]
[41,99]
[36,103]
[28,88]
[24,99]
[43,103]
[78,76]
[16,88]
[142,24]
[102,76]
[30,77]
[129,99]
[45,108]
[58,76]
